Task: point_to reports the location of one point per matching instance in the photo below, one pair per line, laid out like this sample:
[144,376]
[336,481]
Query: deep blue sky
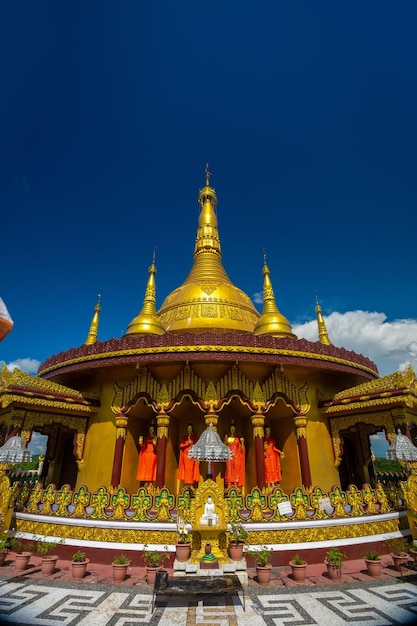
[306,113]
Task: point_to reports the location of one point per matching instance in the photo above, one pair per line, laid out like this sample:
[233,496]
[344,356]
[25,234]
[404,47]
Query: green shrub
[121,559]
[79,557]
[261,556]
[372,555]
[153,558]
[335,557]
[398,545]
[297,560]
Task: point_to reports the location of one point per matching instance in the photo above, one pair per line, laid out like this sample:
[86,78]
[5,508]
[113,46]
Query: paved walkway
[27,598]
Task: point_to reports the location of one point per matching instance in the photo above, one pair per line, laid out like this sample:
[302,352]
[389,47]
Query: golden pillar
[162,434]
[258,421]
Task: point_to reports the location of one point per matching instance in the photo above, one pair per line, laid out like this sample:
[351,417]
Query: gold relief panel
[234,313]
[209,310]
[182,313]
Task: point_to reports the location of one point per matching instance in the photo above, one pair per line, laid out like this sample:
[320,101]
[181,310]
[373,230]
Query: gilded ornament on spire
[323,336]
[271,321]
[93,332]
[148,322]
[207,299]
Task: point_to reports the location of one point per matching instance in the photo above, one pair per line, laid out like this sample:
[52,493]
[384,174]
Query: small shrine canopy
[209,447]
[401,449]
[14,451]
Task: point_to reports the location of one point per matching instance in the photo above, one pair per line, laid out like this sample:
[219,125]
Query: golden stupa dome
[208,300]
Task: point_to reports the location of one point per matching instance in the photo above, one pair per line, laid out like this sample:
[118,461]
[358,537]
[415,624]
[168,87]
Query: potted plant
[399,551]
[153,560]
[23,553]
[45,549]
[120,564]
[334,561]
[413,552]
[373,563]
[263,566]
[238,537]
[299,568]
[79,565]
[183,541]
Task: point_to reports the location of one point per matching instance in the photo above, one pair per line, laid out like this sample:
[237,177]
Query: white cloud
[258,297]
[30,366]
[391,345]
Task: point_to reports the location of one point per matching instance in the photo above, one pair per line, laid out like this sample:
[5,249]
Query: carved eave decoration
[213,393]
[31,391]
[398,389]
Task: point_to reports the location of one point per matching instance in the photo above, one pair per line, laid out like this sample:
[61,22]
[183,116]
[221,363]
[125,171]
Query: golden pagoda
[208,358]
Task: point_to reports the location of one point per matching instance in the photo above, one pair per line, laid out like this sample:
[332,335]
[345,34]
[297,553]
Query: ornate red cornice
[196,347]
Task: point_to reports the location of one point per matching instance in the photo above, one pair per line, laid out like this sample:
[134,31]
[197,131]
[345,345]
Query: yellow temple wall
[99,445]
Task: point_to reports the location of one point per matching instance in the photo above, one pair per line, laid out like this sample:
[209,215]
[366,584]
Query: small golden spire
[271,322]
[323,336]
[148,322]
[93,332]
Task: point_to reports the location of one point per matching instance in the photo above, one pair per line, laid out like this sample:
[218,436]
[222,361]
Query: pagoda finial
[323,336]
[93,332]
[147,321]
[271,321]
[264,253]
[208,174]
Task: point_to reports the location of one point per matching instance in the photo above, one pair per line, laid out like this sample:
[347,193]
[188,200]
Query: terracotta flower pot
[151,574]
[48,565]
[21,561]
[334,571]
[79,568]
[374,567]
[399,560]
[182,551]
[298,571]
[236,551]
[120,572]
[263,573]
[413,553]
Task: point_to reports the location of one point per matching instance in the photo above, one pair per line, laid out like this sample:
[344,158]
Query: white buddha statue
[209,517]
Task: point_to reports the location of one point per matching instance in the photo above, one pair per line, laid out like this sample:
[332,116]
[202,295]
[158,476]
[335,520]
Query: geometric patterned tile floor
[29,599]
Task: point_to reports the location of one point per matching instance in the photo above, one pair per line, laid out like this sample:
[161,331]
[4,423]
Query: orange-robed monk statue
[188,469]
[235,467]
[272,457]
[147,457]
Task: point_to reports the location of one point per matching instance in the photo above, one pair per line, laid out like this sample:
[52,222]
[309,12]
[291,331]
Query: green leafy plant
[79,557]
[373,555]
[45,547]
[297,560]
[238,533]
[153,558]
[121,559]
[20,546]
[335,557]
[261,556]
[398,545]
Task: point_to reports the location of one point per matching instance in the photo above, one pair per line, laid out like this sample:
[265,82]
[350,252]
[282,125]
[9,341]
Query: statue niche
[209,518]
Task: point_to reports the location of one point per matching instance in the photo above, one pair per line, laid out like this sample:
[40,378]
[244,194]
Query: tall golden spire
[207,299]
[147,322]
[323,336]
[272,322]
[93,332]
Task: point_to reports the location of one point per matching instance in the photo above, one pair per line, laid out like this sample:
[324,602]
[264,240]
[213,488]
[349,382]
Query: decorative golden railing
[163,506]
